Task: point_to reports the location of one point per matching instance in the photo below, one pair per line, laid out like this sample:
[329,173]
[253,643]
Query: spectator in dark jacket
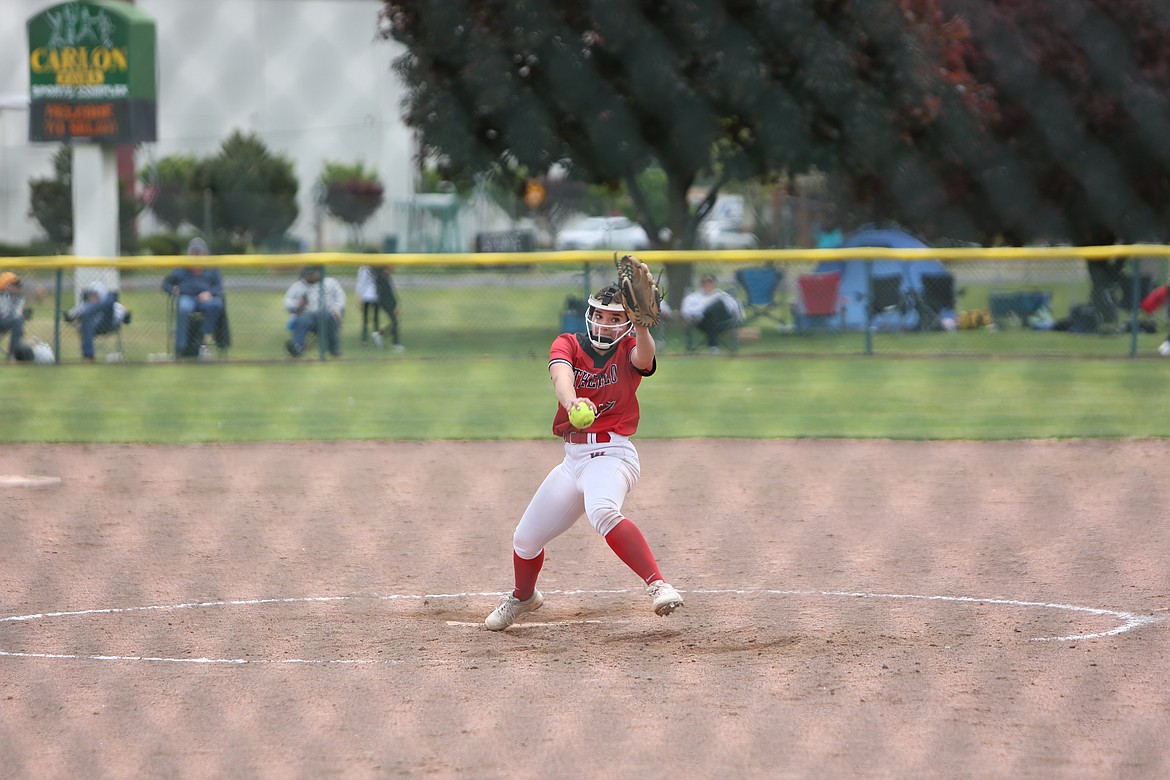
[196,289]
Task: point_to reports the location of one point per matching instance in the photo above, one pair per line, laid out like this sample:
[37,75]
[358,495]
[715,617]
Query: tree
[1078,152]
[167,188]
[51,204]
[51,199]
[709,91]
[352,194]
[253,192]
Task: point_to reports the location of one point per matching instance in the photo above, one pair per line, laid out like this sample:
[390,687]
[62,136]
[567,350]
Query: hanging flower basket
[353,202]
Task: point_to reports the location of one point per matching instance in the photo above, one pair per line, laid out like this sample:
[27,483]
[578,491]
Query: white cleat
[665,598]
[511,608]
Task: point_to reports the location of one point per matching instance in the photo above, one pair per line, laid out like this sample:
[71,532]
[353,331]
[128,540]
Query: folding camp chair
[5,336]
[886,295]
[820,303]
[222,336]
[937,297]
[762,289]
[107,317]
[108,337]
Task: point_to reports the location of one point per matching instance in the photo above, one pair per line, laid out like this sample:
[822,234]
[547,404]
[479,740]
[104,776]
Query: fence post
[1135,304]
[57,316]
[321,315]
[869,307]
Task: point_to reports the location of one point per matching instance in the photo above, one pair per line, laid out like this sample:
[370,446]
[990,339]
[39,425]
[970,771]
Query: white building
[309,77]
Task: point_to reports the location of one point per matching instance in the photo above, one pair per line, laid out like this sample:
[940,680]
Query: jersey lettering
[587,379]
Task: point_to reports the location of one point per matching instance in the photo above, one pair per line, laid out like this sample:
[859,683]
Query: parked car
[721,234]
[603,233]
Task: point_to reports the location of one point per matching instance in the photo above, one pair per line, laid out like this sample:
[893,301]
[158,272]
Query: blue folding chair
[762,289]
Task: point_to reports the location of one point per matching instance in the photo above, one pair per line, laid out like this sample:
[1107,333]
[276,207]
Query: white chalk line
[1130,621]
[27,480]
[534,624]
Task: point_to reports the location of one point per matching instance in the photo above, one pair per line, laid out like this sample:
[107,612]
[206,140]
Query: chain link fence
[1039,302]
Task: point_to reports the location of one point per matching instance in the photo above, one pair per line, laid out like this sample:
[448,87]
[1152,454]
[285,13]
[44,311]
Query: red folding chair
[821,304]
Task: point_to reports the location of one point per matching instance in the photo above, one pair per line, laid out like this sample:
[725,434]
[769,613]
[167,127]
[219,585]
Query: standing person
[602,368]
[303,300]
[196,289]
[711,310]
[1105,279]
[375,290]
[11,312]
[828,233]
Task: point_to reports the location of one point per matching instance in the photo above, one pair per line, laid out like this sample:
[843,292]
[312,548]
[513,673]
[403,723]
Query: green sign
[92,73]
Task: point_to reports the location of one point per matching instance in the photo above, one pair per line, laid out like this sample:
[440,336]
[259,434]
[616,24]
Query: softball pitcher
[603,368]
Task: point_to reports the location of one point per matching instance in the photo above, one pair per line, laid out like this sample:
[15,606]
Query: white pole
[8,196]
[95,213]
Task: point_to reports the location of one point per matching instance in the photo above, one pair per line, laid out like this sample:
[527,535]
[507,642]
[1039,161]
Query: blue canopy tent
[853,281]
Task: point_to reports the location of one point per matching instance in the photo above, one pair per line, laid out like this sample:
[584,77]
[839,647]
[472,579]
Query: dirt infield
[854,609]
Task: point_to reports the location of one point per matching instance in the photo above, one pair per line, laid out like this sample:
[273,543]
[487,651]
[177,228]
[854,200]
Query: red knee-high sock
[627,541]
[527,570]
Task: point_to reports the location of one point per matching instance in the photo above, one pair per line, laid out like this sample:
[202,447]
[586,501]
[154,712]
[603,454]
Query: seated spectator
[375,290]
[12,312]
[303,302]
[711,310]
[99,312]
[1106,278]
[196,289]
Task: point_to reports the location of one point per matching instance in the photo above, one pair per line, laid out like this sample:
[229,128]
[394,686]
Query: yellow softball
[581,415]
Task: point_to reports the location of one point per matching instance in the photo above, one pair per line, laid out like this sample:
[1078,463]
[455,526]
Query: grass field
[521,323]
[494,398]
[475,369]
[515,315]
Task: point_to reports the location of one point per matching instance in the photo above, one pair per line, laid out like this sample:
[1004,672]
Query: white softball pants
[593,480]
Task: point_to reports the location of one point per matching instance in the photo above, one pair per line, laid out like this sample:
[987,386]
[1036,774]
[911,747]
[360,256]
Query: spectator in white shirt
[711,310]
[304,302]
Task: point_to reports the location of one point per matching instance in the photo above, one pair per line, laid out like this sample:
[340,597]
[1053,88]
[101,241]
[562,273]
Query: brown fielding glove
[640,296]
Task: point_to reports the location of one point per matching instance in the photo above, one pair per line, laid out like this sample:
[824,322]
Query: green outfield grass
[497,398]
[520,322]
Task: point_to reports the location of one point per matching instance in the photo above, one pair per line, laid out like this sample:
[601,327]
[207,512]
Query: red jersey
[607,379]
